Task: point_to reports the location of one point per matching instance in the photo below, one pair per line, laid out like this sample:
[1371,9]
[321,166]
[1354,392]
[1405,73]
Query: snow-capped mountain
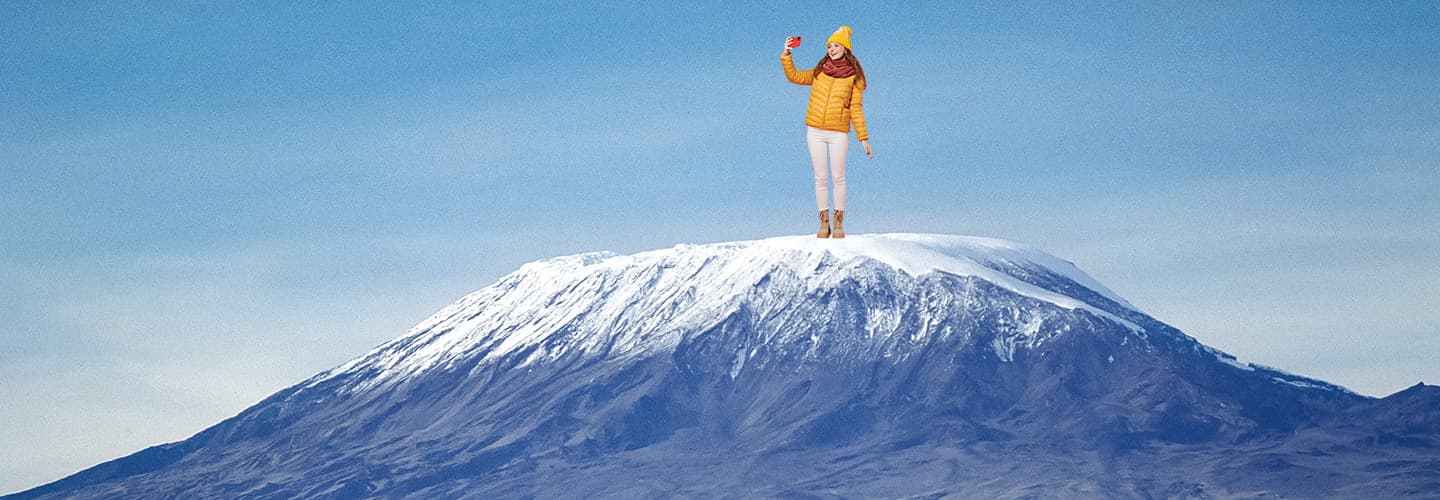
[880,365]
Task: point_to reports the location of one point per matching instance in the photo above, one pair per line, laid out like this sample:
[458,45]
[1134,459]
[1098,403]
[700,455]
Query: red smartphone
[794,42]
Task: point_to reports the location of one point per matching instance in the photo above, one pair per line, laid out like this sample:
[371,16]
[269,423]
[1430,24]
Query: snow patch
[919,254]
[1276,374]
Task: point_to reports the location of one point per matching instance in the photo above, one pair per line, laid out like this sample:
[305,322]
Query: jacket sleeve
[796,76]
[857,113]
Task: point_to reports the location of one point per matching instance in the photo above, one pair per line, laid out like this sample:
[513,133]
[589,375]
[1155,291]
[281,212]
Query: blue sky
[205,202]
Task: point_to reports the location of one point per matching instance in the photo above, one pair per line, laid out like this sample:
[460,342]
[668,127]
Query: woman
[836,85]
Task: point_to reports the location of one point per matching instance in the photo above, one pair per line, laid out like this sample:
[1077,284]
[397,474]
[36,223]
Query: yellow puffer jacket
[834,102]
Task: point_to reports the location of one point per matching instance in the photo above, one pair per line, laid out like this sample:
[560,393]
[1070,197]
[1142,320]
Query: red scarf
[838,68]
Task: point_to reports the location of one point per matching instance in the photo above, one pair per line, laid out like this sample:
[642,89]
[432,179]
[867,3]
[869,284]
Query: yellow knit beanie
[842,37]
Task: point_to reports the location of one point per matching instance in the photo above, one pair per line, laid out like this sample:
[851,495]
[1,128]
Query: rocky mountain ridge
[881,365]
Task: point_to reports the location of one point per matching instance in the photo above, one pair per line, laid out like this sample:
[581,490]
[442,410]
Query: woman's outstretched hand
[788,39]
[868,151]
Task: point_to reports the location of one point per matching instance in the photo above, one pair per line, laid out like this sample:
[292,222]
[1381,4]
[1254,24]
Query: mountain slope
[879,365]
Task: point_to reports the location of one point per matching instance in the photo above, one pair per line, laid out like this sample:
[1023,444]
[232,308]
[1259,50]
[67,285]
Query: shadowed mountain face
[881,365]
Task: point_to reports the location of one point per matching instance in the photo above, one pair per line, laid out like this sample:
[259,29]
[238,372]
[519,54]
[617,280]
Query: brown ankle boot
[839,225]
[824,225]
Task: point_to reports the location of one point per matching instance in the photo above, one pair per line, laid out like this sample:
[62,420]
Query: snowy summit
[643,303]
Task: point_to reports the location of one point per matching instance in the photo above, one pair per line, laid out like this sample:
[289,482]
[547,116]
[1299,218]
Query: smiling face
[835,50]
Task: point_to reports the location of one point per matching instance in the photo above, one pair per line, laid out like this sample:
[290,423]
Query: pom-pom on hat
[842,37]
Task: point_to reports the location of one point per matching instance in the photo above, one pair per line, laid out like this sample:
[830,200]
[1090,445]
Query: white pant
[835,144]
